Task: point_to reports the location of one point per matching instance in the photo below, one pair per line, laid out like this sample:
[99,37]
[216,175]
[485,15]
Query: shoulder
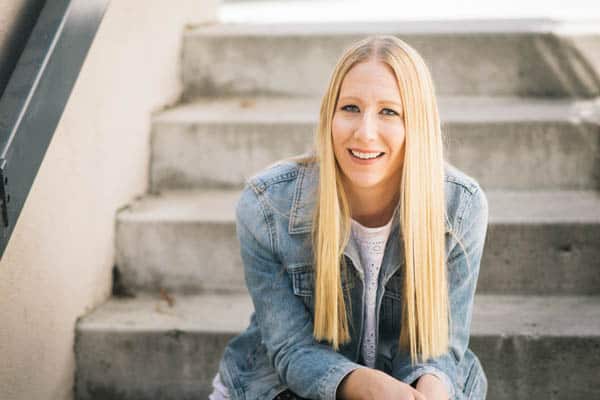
[458,179]
[268,198]
[465,199]
[273,189]
[275,176]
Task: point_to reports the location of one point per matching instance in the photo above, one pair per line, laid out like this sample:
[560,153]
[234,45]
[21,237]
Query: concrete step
[519,57]
[531,347]
[506,143]
[327,11]
[537,243]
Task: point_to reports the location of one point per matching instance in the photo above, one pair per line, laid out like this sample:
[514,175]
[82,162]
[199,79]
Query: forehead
[370,77]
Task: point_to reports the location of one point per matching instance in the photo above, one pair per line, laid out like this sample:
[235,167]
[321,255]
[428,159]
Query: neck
[372,207]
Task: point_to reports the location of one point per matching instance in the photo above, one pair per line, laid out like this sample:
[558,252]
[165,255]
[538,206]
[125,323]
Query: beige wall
[58,263]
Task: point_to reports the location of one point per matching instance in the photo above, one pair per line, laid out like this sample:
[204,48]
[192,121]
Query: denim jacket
[277,351]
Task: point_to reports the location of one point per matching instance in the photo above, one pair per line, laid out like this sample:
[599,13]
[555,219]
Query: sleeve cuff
[331,380]
[417,373]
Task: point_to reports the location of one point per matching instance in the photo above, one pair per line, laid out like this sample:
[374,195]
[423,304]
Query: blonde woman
[362,259]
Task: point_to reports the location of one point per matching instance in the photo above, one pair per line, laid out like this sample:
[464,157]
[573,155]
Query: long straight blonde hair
[425,316]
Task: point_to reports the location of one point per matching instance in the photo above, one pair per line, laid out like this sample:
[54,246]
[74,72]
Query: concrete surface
[536,153]
[522,341]
[505,143]
[537,57]
[261,11]
[59,260]
[538,243]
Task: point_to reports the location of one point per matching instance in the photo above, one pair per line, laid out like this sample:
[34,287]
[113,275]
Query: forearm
[432,387]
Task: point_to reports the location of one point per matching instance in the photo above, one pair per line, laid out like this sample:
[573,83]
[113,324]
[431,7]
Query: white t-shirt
[371,243]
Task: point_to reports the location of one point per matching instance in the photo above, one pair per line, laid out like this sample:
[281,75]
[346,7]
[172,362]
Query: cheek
[337,135]
[400,140]
[396,138]
[341,129]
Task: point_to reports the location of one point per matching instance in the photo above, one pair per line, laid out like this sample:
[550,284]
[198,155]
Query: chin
[364,183]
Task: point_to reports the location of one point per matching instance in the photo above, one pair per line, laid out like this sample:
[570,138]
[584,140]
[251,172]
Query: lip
[365,162]
[365,151]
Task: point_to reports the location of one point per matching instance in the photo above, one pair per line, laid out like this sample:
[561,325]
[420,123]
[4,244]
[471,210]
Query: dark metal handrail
[18,17]
[36,95]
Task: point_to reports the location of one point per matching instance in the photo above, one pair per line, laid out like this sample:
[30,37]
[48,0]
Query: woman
[362,260]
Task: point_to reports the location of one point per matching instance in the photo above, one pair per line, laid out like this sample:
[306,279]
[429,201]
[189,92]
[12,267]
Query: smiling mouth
[365,156]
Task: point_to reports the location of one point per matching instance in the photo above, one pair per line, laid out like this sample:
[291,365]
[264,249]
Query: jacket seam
[261,184]
[295,200]
[469,187]
[268,217]
[466,207]
[238,388]
[324,380]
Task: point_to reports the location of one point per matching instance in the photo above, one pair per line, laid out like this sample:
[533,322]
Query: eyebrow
[349,98]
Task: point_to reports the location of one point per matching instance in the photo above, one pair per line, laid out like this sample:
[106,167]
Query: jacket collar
[305,194]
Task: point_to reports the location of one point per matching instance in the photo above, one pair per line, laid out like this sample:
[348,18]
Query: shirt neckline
[376,229]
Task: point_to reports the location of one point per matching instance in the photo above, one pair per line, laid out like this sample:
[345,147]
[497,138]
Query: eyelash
[351,105]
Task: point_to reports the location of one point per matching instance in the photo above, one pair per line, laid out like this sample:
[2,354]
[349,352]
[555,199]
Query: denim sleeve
[309,368]
[463,271]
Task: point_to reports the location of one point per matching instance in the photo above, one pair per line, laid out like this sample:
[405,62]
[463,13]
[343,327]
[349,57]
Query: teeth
[365,156]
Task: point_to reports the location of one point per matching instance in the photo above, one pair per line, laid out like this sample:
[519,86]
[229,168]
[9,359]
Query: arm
[462,277]
[373,384]
[309,368]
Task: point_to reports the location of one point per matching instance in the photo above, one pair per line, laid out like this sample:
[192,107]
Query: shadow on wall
[17,19]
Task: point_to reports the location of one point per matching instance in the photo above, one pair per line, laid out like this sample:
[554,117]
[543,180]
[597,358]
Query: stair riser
[172,365]
[527,155]
[533,367]
[494,64]
[180,365]
[541,259]
[203,156]
[518,259]
[185,257]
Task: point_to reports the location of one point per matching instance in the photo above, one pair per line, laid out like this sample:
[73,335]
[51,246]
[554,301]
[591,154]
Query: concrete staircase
[520,109]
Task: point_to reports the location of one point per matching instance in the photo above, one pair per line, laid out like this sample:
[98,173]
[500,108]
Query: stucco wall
[58,263]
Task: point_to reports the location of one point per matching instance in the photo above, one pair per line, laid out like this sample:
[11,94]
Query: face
[368,128]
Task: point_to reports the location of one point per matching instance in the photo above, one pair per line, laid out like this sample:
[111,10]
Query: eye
[391,112]
[350,108]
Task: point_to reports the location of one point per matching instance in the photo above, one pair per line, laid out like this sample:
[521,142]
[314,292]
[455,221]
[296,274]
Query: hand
[371,384]
[432,387]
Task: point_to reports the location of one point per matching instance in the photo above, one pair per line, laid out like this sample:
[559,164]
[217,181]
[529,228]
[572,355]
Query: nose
[367,129]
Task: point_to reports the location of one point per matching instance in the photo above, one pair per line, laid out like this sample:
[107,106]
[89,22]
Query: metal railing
[36,94]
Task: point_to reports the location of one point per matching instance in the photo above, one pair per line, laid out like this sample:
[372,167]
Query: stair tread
[554,316]
[505,207]
[405,27]
[206,312]
[208,205]
[456,109]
